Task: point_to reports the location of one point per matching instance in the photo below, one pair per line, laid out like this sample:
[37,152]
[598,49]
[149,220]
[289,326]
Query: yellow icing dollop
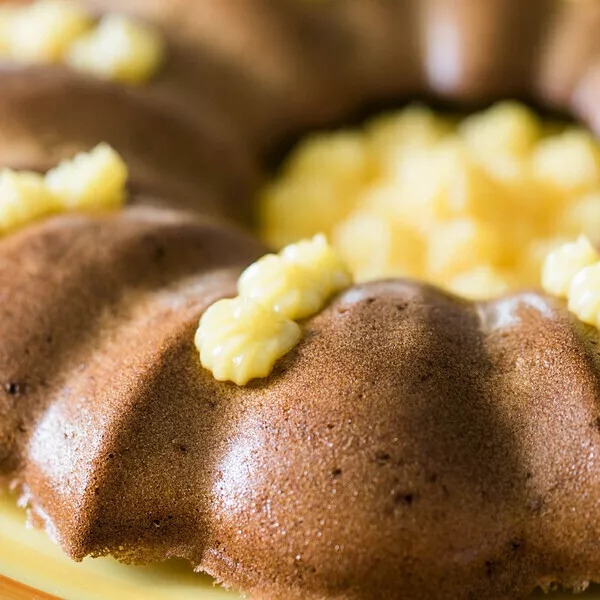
[569,162]
[41,32]
[296,282]
[471,204]
[92,180]
[561,265]
[584,294]
[242,338]
[24,197]
[573,272]
[63,32]
[119,49]
[239,339]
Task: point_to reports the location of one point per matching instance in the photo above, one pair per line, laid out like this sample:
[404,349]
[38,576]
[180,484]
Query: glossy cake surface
[445,440]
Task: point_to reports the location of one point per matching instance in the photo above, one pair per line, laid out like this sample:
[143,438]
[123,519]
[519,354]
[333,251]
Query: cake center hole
[472,204]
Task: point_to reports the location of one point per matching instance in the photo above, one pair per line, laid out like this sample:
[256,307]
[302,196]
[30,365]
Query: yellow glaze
[242,338]
[119,49]
[472,204]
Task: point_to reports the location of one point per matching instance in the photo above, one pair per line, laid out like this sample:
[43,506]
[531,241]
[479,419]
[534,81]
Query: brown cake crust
[413,445]
[428,460]
[446,441]
[279,66]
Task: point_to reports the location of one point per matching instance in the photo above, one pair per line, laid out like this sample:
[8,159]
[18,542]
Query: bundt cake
[413,444]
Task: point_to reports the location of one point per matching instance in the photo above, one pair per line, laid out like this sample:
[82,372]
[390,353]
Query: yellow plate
[44,572]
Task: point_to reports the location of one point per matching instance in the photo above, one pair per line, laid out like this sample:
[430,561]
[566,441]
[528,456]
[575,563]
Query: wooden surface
[13,590]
